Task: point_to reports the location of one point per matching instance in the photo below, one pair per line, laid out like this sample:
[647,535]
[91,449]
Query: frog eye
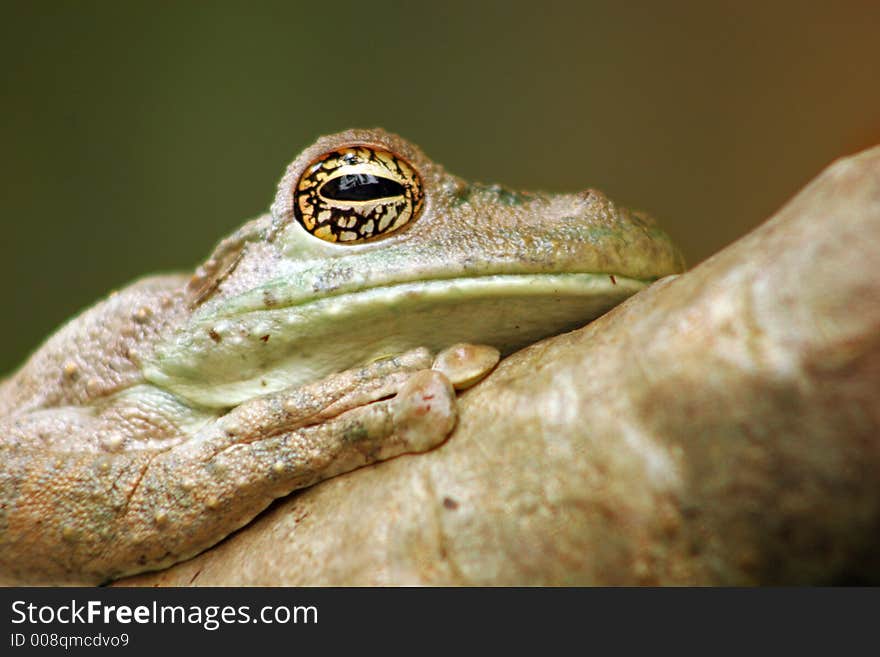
[357,193]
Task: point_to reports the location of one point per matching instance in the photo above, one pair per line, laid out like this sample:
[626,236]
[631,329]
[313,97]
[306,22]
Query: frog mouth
[441,289]
[506,311]
[545,301]
[224,360]
[604,288]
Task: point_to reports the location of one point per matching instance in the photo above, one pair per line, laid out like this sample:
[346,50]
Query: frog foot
[367,426]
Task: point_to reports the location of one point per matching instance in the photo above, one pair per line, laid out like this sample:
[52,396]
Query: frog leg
[94,515]
[267,447]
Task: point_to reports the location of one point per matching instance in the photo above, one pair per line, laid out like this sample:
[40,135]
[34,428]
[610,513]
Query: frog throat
[222,359]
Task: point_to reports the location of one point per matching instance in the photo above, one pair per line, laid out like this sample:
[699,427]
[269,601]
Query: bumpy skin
[170,414]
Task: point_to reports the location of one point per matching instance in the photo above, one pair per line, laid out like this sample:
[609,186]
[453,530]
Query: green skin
[168,415]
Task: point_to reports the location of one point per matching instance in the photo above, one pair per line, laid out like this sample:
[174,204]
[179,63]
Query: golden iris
[357,193]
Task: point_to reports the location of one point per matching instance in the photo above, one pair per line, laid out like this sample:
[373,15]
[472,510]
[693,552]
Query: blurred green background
[135,135]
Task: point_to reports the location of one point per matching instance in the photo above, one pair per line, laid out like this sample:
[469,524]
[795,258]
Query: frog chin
[222,362]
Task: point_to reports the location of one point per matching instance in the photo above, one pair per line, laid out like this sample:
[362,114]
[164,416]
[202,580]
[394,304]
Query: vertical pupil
[360,187]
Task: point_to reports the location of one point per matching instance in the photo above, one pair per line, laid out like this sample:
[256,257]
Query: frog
[333,332]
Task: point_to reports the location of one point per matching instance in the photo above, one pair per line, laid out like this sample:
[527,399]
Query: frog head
[371,249]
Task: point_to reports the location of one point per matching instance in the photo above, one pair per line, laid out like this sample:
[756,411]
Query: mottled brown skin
[109,465]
